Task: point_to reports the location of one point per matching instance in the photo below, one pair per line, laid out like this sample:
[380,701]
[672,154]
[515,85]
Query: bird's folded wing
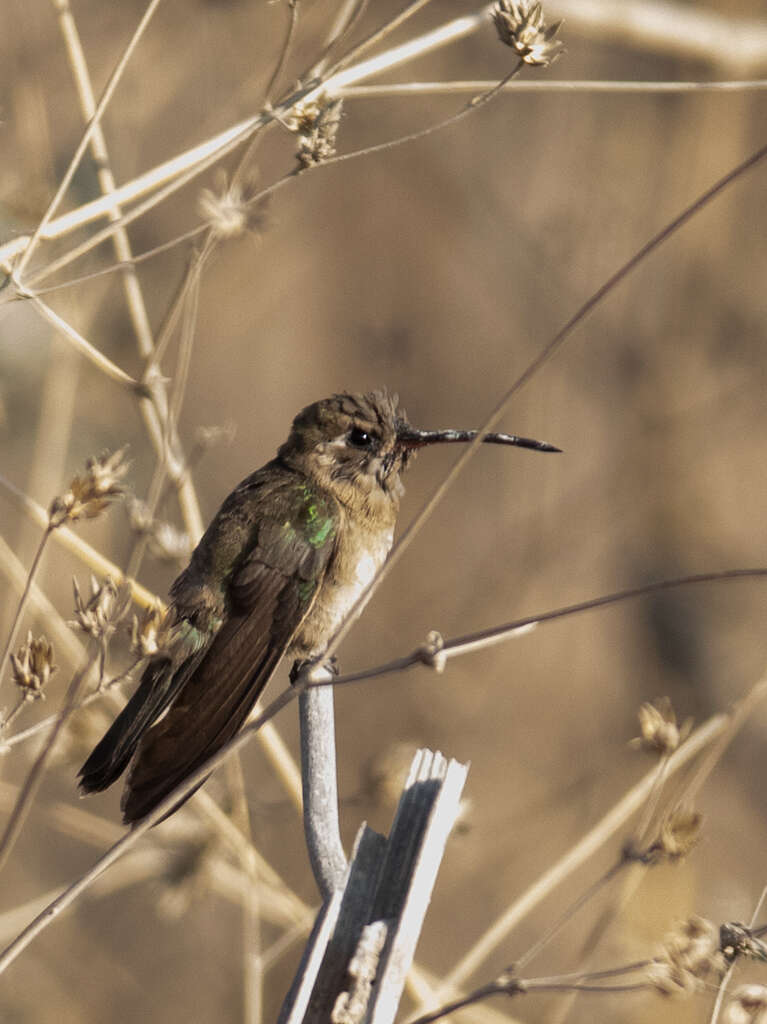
[271,594]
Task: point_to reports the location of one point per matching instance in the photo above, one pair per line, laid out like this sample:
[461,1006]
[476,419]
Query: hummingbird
[280,566]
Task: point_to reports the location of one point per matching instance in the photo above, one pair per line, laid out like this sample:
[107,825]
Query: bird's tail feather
[112,755]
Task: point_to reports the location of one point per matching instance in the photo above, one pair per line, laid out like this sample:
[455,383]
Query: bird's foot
[315,667]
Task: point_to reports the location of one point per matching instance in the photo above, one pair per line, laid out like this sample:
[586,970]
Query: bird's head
[357,446]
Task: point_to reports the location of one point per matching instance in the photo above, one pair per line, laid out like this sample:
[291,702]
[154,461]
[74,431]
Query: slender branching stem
[35,776]
[536,364]
[22,604]
[93,124]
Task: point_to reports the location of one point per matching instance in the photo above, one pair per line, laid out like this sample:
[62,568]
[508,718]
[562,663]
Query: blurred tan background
[438,269]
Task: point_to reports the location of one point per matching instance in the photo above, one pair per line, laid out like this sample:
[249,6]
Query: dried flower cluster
[33,666]
[230,208]
[351,1007]
[90,493]
[317,124]
[165,541]
[98,615]
[520,25]
[691,958]
[747,1006]
[660,733]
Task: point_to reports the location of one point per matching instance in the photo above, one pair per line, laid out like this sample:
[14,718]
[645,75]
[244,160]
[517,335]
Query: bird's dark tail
[112,755]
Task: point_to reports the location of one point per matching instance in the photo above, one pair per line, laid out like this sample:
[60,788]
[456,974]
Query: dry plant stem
[398,89]
[38,727]
[153,404]
[523,987]
[380,33]
[568,915]
[62,6]
[186,343]
[287,43]
[741,712]
[35,777]
[183,168]
[72,892]
[13,631]
[85,552]
[133,262]
[723,985]
[578,855]
[81,344]
[251,932]
[532,368]
[572,860]
[170,189]
[471,106]
[348,16]
[471,642]
[671,28]
[64,640]
[243,849]
[652,800]
[13,714]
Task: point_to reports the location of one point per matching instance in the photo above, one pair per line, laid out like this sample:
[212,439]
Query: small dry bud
[150,635]
[90,493]
[230,208]
[32,666]
[690,958]
[520,25]
[747,1006]
[99,614]
[679,834]
[317,125]
[660,733]
[432,653]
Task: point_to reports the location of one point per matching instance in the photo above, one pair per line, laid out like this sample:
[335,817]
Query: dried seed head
[150,635]
[747,1006]
[229,208]
[520,25]
[33,666]
[690,958]
[660,733]
[165,541]
[90,493]
[99,614]
[317,125]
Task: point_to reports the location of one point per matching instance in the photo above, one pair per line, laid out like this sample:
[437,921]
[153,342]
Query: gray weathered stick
[357,959]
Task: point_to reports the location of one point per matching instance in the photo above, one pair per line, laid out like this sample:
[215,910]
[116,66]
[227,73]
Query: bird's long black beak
[410,438]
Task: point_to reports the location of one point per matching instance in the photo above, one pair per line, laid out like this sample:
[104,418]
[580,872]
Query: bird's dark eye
[360,438]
